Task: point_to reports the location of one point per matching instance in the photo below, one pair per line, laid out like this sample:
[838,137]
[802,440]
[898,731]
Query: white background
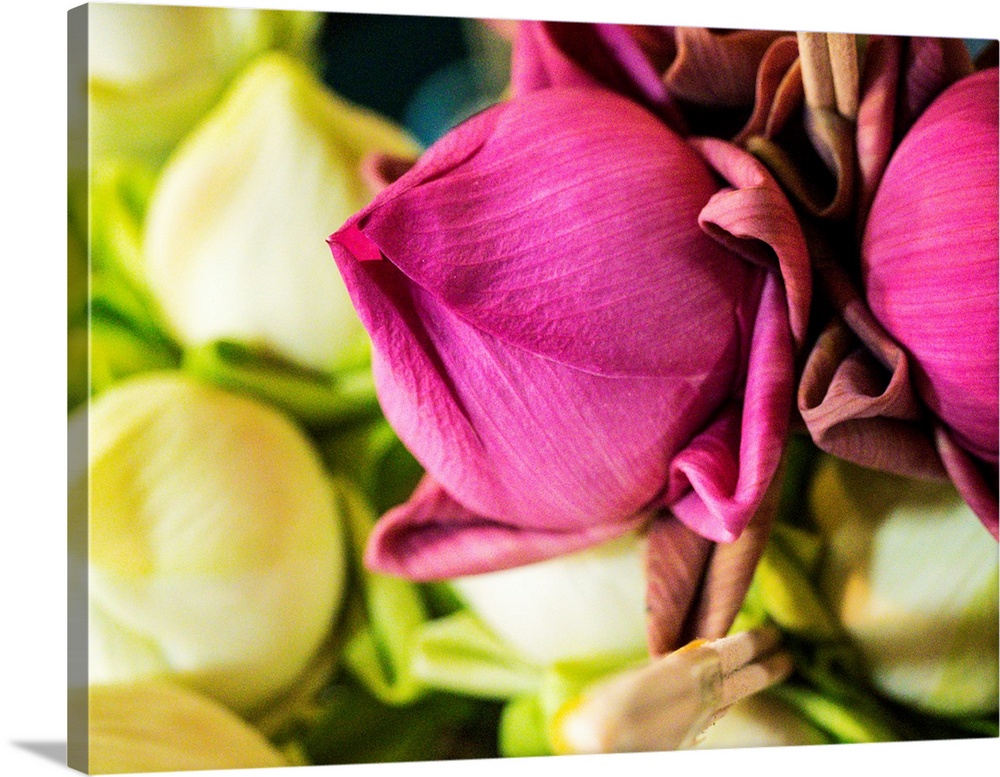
[32,373]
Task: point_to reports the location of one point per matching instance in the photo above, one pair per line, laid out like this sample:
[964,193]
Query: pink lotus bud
[930,260]
[560,343]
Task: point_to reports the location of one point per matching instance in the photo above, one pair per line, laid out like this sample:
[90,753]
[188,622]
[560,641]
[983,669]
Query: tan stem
[844,65]
[817,75]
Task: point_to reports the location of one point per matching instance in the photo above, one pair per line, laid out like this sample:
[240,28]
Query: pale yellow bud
[216,554]
[160,726]
[912,574]
[235,244]
[154,70]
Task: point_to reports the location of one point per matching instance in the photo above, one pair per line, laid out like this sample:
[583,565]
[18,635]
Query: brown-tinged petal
[379,169]
[675,563]
[857,409]
[779,90]
[755,219]
[717,69]
[876,117]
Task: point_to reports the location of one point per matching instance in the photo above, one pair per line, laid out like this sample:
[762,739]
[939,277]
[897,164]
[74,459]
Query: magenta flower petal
[731,464]
[978,488]
[608,56]
[432,537]
[930,258]
[901,77]
[556,272]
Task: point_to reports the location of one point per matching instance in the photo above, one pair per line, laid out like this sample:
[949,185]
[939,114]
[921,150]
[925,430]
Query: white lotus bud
[580,605]
[159,726]
[913,576]
[154,70]
[216,555]
[235,244]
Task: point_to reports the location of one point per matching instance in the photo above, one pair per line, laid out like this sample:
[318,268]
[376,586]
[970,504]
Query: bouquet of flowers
[640,393]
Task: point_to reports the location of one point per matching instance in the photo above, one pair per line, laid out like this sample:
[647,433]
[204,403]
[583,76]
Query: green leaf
[458,653]
[356,727]
[118,351]
[312,397]
[372,456]
[847,721]
[379,651]
[523,729]
[788,594]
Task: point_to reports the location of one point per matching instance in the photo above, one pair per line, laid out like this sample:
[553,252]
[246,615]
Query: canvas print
[469,388]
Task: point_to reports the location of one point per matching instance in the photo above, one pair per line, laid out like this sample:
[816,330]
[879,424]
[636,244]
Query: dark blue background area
[412,69]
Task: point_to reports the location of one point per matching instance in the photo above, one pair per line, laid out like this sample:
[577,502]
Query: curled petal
[778,92]
[756,220]
[717,69]
[855,412]
[730,465]
[433,537]
[694,587]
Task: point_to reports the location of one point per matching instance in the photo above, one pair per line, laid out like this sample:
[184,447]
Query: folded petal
[433,537]
[876,116]
[718,69]
[778,92]
[975,482]
[695,587]
[730,465]
[755,219]
[675,563]
[857,409]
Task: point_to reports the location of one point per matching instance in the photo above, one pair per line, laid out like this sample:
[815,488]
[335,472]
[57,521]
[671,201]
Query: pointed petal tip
[356,243]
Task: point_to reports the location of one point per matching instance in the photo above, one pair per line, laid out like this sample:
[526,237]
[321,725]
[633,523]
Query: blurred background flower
[156,69]
[912,577]
[239,205]
[160,726]
[216,549]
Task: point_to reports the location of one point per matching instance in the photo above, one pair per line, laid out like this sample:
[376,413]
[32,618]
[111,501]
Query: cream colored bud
[760,721]
[154,70]
[571,607]
[912,574]
[235,244]
[160,726]
[216,554]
